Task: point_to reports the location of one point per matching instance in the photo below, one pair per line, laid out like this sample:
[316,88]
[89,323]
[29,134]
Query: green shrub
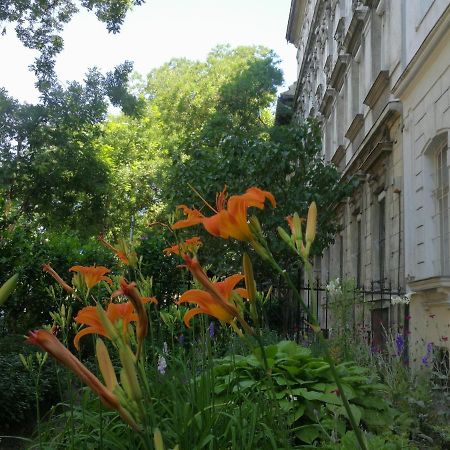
[17,389]
[302,387]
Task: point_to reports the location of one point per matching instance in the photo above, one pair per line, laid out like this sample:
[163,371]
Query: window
[381,239]
[441,196]
[358,251]
[341,257]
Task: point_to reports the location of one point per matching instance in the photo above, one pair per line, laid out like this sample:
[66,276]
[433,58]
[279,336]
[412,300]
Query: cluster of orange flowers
[217,299]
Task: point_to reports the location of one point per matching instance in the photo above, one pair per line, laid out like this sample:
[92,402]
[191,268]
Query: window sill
[436,289]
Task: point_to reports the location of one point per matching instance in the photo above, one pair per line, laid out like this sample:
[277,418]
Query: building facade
[376,74]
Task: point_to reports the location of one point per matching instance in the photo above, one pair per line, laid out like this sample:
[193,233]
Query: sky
[151,35]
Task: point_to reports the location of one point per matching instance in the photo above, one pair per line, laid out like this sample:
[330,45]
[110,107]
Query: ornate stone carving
[356,4]
[339,34]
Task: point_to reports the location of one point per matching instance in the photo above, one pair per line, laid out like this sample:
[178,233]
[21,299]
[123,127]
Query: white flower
[334,287]
[162,364]
[165,348]
[402,300]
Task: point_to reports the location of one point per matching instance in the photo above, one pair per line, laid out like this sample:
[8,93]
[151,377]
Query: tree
[131,148]
[185,101]
[213,122]
[231,91]
[286,161]
[50,169]
[38,24]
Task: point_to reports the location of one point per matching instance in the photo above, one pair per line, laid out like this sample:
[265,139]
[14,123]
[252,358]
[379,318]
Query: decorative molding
[327,100]
[352,38]
[370,3]
[337,75]
[355,126]
[339,33]
[381,149]
[327,67]
[391,111]
[338,156]
[380,83]
[437,290]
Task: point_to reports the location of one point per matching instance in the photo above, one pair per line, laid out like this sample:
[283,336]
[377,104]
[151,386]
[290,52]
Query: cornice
[379,150]
[296,16]
[337,75]
[338,155]
[375,142]
[436,289]
[352,37]
[355,126]
[380,83]
[327,100]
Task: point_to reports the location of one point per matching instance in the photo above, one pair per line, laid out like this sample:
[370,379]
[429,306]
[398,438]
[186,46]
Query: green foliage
[297,176]
[385,441]
[17,390]
[303,388]
[23,250]
[50,169]
[168,280]
[131,150]
[227,93]
[181,406]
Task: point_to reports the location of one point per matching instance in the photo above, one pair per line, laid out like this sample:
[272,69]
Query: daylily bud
[106,323]
[249,278]
[158,440]
[52,345]
[130,291]
[105,365]
[127,360]
[311,223]
[259,249]
[297,227]
[24,361]
[7,288]
[286,238]
[255,226]
[47,268]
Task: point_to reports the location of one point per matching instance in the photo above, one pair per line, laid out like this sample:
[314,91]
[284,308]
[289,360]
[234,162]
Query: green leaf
[308,433]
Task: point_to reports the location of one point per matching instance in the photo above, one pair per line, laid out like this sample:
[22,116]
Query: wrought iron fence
[373,312]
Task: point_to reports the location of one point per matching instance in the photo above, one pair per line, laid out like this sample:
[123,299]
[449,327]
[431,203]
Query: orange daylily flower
[115,311]
[230,219]
[49,343]
[49,269]
[215,300]
[92,274]
[131,292]
[189,245]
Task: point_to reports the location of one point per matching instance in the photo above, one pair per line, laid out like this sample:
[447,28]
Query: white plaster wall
[426,106]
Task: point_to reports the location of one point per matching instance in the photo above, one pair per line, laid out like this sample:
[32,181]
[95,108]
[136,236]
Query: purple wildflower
[211,329]
[181,339]
[399,344]
[426,358]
